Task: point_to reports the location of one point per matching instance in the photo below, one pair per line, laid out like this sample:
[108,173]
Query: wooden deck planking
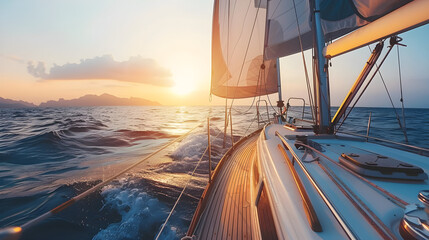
[227,214]
[244,189]
[235,195]
[209,232]
[215,227]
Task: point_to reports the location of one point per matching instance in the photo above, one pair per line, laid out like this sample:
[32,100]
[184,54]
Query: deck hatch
[375,165]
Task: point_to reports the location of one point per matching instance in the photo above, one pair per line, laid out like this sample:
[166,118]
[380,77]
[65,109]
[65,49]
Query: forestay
[339,17]
[238,66]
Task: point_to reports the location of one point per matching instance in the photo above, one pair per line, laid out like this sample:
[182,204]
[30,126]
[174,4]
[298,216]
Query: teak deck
[227,210]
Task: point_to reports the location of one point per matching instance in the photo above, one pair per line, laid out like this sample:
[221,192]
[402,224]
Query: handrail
[363,208]
[328,203]
[312,218]
[296,98]
[260,115]
[385,140]
[394,199]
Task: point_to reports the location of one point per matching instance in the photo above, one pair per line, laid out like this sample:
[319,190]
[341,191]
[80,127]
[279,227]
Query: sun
[184,83]
[181,89]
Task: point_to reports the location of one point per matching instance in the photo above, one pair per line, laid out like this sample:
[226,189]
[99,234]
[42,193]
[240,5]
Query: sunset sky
[159,50]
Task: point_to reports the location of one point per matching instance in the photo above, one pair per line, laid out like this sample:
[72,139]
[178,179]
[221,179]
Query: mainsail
[289,20]
[238,67]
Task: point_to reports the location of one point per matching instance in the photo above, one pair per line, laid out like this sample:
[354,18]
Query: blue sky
[171,36]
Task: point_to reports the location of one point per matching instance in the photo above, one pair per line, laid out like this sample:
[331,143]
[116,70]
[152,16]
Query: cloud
[14,58]
[136,69]
[36,71]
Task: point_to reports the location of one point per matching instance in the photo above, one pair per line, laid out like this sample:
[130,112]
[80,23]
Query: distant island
[8,103]
[85,101]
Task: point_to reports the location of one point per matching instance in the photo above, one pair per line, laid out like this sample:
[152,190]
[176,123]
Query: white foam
[141,214]
[189,151]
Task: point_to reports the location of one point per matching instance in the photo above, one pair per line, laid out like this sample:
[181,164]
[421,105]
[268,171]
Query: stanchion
[210,149]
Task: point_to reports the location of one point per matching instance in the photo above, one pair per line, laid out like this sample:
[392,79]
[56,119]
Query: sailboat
[300,179]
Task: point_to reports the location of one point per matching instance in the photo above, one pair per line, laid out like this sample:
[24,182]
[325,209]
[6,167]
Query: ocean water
[49,155]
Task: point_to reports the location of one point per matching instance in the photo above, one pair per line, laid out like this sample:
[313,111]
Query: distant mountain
[8,103]
[102,100]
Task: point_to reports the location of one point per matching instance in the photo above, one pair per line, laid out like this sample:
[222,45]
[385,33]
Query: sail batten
[409,16]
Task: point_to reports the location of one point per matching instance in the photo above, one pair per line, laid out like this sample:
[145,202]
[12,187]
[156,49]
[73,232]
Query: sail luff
[409,16]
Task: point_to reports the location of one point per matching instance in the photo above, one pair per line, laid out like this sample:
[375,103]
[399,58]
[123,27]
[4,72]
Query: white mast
[321,91]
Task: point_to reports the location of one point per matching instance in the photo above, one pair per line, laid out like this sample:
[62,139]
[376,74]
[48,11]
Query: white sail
[238,67]
[339,17]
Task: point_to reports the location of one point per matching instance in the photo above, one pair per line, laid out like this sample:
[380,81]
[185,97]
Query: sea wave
[49,155]
[139,135]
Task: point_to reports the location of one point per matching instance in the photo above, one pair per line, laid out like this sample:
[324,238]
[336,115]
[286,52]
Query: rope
[101,184]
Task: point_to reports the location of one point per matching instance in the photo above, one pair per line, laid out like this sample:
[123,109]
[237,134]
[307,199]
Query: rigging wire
[247,110]
[366,86]
[313,68]
[388,94]
[181,193]
[310,98]
[245,133]
[402,96]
